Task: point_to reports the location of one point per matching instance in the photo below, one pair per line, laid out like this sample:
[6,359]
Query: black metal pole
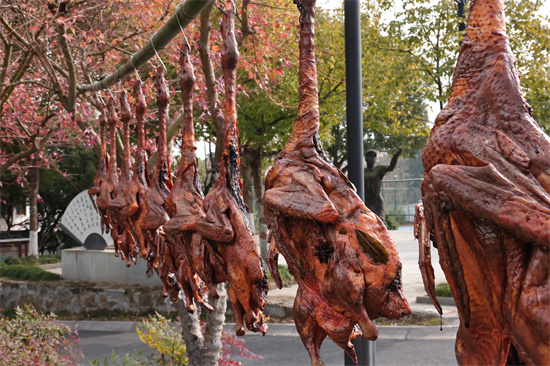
[354,112]
[354,107]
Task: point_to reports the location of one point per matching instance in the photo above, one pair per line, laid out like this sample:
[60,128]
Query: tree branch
[69,63]
[14,33]
[23,66]
[34,147]
[208,71]
[183,15]
[51,72]
[7,59]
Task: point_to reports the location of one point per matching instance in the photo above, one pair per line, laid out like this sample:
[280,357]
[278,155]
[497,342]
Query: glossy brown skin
[487,203]
[107,189]
[152,214]
[341,254]
[225,209]
[101,173]
[184,206]
[127,245]
[139,184]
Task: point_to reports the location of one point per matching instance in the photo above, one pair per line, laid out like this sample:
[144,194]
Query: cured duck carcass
[152,213]
[341,254]
[126,245]
[226,212]
[136,190]
[486,203]
[107,189]
[101,172]
[184,205]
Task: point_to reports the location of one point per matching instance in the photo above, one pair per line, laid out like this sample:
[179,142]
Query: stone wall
[79,297]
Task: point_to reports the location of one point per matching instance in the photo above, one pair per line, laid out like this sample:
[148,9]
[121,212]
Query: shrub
[27,273]
[33,338]
[27,269]
[50,258]
[391,223]
[288,279]
[159,335]
[443,290]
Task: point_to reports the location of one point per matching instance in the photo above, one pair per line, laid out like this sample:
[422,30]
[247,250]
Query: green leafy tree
[530,41]
[427,35]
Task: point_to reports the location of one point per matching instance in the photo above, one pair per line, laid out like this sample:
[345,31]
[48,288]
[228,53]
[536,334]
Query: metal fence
[400,198]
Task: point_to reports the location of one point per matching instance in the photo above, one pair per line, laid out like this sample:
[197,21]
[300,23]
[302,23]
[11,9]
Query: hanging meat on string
[341,254]
[486,202]
[101,173]
[126,244]
[152,214]
[184,206]
[225,210]
[107,189]
[139,184]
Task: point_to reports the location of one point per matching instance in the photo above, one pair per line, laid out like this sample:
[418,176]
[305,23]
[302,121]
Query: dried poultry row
[191,241]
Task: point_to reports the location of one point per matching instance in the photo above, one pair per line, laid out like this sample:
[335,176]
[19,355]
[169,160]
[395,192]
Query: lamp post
[460,12]
[354,114]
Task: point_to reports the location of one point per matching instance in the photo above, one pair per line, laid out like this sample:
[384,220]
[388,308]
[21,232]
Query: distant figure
[373,182]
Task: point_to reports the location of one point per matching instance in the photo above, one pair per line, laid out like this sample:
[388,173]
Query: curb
[282,330]
[448,301]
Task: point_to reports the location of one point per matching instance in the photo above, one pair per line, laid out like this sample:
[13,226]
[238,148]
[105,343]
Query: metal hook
[182,32]
[110,92]
[223,11]
[153,44]
[101,98]
[220,9]
[134,66]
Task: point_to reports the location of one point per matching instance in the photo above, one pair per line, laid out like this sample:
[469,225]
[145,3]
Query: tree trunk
[33,203]
[191,332]
[210,80]
[247,193]
[204,349]
[213,328]
[257,175]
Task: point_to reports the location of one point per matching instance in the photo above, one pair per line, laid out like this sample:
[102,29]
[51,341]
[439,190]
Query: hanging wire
[134,66]
[223,11]
[189,9]
[101,98]
[182,32]
[153,44]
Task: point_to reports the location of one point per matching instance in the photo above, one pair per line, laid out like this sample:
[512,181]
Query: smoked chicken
[486,203]
[184,206]
[341,254]
[126,244]
[226,212]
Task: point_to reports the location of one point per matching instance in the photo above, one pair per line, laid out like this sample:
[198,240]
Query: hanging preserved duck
[341,254]
[226,214]
[486,203]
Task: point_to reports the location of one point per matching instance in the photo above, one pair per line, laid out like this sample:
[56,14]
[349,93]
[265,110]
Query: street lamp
[461,4]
